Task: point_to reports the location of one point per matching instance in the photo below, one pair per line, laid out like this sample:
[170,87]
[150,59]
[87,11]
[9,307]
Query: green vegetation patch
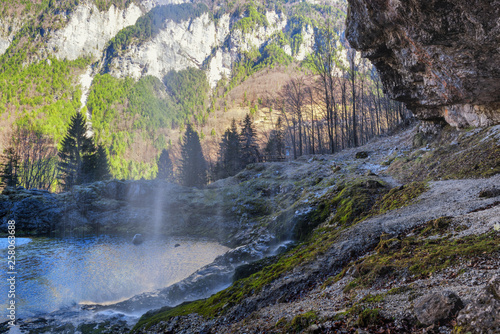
[352,203]
[125,112]
[400,196]
[298,323]
[419,256]
[253,17]
[43,93]
[453,154]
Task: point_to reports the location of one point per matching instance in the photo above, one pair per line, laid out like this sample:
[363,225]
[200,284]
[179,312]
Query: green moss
[368,317]
[453,154]
[373,298]
[386,245]
[399,197]
[354,201]
[253,18]
[302,321]
[298,323]
[420,256]
[436,226]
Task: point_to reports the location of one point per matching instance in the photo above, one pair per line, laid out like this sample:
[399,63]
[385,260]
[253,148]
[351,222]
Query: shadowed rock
[437,307]
[439,57]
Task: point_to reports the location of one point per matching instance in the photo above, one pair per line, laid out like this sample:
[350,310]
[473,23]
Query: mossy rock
[436,226]
[369,318]
[452,155]
[418,256]
[399,197]
[302,321]
[246,270]
[387,245]
[361,155]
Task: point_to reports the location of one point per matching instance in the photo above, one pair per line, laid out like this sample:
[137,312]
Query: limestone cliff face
[176,47]
[192,42]
[440,57]
[87,30]
[8,29]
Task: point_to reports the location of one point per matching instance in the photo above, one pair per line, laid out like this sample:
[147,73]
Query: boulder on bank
[437,307]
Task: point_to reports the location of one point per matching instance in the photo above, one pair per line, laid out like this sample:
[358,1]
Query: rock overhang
[442,58]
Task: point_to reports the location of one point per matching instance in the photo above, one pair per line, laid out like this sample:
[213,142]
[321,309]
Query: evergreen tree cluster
[237,150]
[81,161]
[31,160]
[193,163]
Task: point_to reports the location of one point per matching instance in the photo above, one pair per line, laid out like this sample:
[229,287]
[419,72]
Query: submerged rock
[138,239]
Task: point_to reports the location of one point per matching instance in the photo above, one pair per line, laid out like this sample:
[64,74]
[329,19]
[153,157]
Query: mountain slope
[53,52]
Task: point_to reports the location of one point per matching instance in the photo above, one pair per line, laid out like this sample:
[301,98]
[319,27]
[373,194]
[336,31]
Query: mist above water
[55,273]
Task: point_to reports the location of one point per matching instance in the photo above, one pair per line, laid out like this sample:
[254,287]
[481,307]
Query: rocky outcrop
[440,57]
[87,30]
[8,29]
[176,47]
[115,207]
[194,42]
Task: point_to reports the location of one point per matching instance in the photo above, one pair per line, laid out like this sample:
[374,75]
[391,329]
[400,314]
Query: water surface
[54,273]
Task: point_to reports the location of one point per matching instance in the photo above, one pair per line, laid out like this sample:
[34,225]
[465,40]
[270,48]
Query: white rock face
[88,30]
[190,44]
[176,47]
[148,4]
[8,28]
[241,42]
[307,45]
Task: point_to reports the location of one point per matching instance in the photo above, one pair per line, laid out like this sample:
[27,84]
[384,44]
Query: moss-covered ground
[427,250]
[453,154]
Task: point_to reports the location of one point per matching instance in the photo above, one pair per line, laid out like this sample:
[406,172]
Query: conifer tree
[10,166]
[101,168]
[165,167]
[229,154]
[248,143]
[193,164]
[77,154]
[275,147]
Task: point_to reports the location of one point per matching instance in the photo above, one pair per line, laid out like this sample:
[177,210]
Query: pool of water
[55,273]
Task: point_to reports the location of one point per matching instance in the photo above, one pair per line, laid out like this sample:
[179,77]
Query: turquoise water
[55,273]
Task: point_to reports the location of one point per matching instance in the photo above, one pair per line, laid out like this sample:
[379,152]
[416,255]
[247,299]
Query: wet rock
[35,213]
[437,307]
[489,193]
[246,270]
[482,315]
[138,239]
[361,155]
[439,57]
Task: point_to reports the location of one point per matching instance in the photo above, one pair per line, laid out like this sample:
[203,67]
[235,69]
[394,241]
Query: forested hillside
[140,71]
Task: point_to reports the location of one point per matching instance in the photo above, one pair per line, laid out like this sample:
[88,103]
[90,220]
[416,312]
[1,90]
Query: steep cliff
[439,57]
